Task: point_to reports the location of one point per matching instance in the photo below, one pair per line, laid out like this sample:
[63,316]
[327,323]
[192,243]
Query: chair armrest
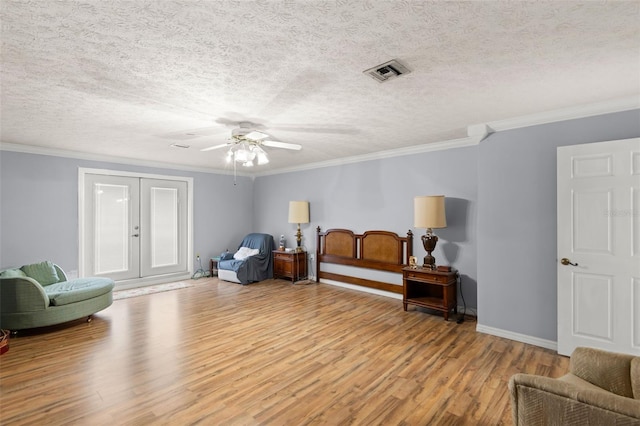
[226,256]
[531,394]
[607,370]
[22,295]
[61,275]
[546,384]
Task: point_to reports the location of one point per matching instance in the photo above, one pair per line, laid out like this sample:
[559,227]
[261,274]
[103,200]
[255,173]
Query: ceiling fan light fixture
[244,153]
[262,157]
[245,146]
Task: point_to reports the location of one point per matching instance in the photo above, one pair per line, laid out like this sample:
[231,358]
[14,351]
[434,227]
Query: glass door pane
[164,227]
[111,216]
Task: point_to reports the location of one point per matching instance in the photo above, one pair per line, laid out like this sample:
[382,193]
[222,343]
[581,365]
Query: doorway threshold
[156,279]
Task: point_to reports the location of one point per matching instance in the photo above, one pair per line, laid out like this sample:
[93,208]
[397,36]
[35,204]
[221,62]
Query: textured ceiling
[129,78]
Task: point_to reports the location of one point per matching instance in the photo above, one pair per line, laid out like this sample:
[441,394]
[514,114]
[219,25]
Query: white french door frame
[82,172]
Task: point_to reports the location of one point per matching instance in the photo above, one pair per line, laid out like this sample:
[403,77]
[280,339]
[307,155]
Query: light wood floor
[268,353]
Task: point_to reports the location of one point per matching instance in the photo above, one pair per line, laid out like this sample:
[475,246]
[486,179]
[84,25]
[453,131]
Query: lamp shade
[428,212]
[298,212]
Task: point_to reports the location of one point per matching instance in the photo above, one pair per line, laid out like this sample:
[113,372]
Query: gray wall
[501,211]
[517,219]
[378,195]
[39,208]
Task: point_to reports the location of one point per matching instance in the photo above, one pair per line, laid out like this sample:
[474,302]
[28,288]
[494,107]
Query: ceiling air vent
[180,145]
[387,71]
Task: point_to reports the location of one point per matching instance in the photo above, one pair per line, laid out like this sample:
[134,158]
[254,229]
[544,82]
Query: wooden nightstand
[213,266]
[430,289]
[290,265]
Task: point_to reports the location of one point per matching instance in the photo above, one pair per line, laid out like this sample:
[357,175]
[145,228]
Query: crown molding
[410,150]
[479,132]
[564,114]
[55,152]
[476,133]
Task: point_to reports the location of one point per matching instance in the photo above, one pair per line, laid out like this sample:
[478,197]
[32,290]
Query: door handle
[135,235]
[566,262]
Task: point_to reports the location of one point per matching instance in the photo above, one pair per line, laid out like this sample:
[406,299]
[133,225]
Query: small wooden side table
[213,266]
[290,264]
[430,289]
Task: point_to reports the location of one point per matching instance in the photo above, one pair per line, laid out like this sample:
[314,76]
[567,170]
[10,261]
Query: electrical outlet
[311,256]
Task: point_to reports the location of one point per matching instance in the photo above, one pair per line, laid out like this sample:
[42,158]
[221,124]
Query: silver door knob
[566,262]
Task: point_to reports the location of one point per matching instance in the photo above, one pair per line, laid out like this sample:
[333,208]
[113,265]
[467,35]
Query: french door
[133,227]
[599,246]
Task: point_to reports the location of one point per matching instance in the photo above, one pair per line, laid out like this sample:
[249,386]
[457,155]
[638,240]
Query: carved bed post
[318,254]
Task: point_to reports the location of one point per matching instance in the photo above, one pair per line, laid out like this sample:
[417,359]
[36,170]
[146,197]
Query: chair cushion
[77,290]
[44,272]
[13,273]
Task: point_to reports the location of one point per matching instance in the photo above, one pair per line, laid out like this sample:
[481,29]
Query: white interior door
[599,234]
[134,228]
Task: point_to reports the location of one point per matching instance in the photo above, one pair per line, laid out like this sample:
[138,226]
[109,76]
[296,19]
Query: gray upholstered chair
[601,388]
[251,263]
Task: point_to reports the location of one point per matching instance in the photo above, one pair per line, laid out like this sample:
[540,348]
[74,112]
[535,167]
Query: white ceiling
[129,78]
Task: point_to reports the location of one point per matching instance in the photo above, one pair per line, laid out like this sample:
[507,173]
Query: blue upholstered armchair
[251,262]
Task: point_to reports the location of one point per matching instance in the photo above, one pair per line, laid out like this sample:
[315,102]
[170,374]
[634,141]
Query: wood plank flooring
[269,353]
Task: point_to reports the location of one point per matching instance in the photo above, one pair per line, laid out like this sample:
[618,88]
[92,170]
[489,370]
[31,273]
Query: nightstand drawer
[428,278]
[282,257]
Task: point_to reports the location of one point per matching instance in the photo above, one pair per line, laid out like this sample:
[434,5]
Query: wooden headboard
[379,250]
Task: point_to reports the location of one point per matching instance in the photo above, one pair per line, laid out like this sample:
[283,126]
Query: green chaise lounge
[39,295]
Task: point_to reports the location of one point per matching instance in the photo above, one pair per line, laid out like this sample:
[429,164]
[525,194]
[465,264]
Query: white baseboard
[363,289]
[461,309]
[143,282]
[536,341]
[531,340]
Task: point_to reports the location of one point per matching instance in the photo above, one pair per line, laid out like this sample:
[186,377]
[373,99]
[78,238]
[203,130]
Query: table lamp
[298,213]
[429,213]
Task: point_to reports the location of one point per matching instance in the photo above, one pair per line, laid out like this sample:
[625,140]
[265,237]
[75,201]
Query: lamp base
[299,240]
[429,242]
[429,262]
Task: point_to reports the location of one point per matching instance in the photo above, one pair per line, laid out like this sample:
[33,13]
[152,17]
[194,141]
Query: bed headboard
[379,250]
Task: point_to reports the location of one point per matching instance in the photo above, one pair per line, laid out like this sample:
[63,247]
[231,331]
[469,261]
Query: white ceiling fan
[245,145]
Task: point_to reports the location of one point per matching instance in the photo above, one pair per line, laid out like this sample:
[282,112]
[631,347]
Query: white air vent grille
[180,145]
[387,71]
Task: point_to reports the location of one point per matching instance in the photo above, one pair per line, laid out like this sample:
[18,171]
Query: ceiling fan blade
[188,134]
[211,148]
[256,136]
[315,129]
[278,144]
